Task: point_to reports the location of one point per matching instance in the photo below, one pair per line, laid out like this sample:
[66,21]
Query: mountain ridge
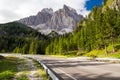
[61,21]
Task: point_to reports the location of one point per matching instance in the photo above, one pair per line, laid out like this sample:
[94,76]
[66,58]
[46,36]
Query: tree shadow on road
[67,65]
[57,63]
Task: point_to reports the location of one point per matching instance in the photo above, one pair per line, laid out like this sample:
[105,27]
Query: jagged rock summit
[61,21]
[41,17]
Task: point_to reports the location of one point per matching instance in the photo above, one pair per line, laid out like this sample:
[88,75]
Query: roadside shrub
[92,54]
[6,75]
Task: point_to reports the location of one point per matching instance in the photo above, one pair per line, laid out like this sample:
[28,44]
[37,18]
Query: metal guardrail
[50,74]
[48,71]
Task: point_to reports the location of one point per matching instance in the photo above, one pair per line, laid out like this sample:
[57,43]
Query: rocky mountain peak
[41,18]
[67,8]
[47,10]
[72,13]
[61,21]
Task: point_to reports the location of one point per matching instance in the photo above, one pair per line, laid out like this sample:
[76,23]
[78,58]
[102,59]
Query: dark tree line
[18,38]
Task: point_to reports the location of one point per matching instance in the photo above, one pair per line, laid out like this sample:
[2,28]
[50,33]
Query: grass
[59,56]
[22,77]
[43,73]
[66,54]
[8,68]
[95,53]
[101,53]
[6,75]
[23,68]
[44,76]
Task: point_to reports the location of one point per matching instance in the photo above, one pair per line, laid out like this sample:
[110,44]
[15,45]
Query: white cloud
[11,10]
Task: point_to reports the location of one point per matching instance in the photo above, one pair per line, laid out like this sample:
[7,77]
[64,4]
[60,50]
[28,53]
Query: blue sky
[91,3]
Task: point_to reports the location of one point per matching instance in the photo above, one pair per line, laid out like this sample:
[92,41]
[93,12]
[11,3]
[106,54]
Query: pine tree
[31,49]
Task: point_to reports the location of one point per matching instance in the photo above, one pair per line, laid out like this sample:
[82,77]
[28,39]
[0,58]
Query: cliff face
[40,18]
[62,21]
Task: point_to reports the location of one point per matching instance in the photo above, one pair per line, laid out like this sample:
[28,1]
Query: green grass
[6,75]
[44,76]
[101,53]
[68,54]
[8,68]
[94,53]
[22,77]
[43,73]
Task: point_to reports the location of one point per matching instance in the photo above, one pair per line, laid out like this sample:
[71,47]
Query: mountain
[19,38]
[41,18]
[97,35]
[15,29]
[62,21]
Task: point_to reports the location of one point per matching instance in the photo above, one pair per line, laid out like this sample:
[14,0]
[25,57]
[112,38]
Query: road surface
[77,69]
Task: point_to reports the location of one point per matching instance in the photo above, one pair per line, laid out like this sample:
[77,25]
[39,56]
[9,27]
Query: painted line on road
[60,71]
[66,73]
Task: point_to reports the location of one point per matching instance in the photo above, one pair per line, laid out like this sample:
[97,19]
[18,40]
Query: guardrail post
[47,75]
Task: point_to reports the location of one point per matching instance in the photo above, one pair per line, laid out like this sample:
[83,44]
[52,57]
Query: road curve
[77,69]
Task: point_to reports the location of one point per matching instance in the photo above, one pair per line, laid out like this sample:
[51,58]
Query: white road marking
[67,74]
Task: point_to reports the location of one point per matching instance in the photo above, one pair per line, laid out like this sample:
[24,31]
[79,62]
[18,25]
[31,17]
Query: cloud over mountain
[16,9]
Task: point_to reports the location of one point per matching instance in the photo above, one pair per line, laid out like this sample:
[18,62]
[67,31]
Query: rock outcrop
[41,18]
[62,21]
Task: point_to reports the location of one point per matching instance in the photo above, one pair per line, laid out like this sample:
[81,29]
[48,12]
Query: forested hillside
[100,31]
[97,34]
[18,38]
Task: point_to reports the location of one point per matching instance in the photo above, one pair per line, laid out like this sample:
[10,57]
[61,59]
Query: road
[76,69]
[80,69]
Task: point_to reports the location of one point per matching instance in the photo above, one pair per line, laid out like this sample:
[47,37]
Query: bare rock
[62,21]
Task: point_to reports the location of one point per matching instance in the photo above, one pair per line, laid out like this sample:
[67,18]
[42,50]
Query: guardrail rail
[49,73]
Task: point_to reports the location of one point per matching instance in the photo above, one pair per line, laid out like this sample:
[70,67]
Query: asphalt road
[77,69]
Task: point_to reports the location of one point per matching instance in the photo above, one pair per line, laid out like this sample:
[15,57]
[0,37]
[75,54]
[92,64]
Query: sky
[11,10]
[91,3]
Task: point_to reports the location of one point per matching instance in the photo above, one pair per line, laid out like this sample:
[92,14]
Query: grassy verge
[8,68]
[102,54]
[94,53]
[22,70]
[43,73]
[22,77]
[69,54]
[59,56]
